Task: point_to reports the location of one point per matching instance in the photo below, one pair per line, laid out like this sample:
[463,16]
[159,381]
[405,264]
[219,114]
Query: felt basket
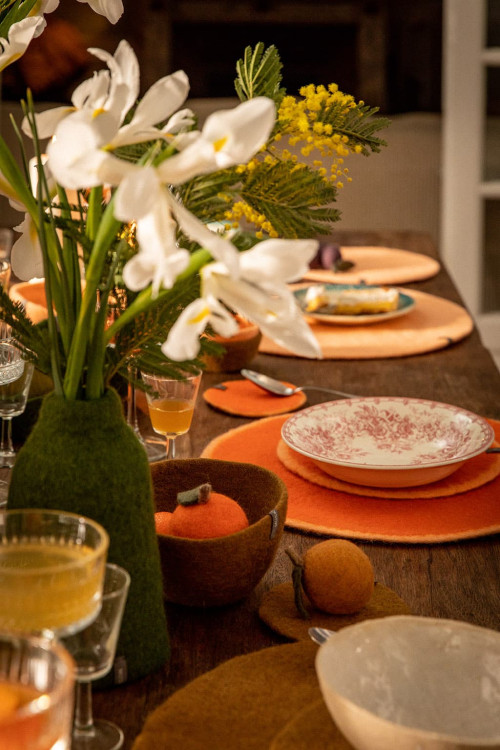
[215,572]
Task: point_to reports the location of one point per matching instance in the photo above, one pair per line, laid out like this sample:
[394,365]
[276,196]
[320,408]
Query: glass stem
[6,443]
[170,447]
[132,420]
[84,721]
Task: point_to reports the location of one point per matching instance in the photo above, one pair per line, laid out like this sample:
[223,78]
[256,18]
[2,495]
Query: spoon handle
[327,390]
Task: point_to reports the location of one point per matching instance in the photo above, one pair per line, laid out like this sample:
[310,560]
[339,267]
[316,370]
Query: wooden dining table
[457,580]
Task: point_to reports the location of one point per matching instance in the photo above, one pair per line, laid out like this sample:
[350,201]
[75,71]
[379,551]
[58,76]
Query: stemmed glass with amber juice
[51,579]
[171,404]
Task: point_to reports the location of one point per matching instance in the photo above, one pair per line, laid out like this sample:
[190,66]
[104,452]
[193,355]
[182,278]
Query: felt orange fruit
[336,575]
[204,514]
[162,522]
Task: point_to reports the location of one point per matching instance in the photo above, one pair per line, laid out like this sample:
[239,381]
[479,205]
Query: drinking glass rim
[100,550]
[125,585]
[194,373]
[47,699]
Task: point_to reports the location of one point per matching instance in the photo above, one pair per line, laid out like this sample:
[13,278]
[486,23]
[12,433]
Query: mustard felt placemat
[325,511]
[378,265]
[312,729]
[432,324]
[243,703]
[278,610]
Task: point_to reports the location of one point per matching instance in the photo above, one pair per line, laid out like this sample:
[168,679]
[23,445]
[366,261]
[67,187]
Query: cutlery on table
[320,635]
[280,389]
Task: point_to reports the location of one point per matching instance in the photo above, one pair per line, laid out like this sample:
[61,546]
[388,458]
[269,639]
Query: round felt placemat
[245,399]
[312,729]
[472,474]
[434,323]
[378,265]
[324,511]
[277,609]
[243,703]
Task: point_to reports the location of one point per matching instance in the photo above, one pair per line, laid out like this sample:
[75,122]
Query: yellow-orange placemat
[474,473]
[378,265]
[245,399]
[329,512]
[277,609]
[434,323]
[243,703]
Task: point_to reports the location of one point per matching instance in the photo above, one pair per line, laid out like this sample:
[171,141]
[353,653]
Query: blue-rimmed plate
[405,305]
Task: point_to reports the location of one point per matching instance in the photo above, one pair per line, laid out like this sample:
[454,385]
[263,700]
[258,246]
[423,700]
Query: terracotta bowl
[32,295]
[214,572]
[239,349]
[413,682]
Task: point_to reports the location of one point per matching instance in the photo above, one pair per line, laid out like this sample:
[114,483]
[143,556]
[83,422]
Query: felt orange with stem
[202,513]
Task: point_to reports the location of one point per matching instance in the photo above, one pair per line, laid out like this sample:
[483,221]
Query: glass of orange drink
[171,402]
[36,693]
[52,567]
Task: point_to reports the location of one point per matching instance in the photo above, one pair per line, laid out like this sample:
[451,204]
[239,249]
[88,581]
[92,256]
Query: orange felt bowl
[214,572]
[245,399]
[426,519]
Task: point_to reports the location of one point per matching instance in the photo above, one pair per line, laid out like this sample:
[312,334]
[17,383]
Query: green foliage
[259,74]
[297,201]
[12,12]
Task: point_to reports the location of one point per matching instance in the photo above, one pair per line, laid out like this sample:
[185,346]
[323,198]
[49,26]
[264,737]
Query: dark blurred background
[387,52]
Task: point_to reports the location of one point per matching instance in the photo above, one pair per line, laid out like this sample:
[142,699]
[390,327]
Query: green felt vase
[82,457]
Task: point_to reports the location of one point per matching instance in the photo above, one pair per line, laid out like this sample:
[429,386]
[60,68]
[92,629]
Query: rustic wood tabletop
[457,580]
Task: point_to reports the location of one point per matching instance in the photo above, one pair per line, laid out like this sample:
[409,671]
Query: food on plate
[336,576]
[355,301]
[202,513]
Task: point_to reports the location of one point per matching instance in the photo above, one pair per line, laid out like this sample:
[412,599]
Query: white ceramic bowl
[387,441]
[413,683]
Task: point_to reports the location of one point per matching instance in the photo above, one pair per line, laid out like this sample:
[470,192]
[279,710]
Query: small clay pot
[214,572]
[239,349]
[31,294]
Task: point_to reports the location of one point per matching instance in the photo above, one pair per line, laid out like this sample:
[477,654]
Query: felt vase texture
[82,457]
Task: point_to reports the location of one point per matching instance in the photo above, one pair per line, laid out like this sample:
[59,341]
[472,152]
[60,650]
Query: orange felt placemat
[472,474]
[325,511]
[245,399]
[434,323]
[378,265]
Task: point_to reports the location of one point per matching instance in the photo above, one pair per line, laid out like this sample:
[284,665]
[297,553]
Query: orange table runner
[378,265]
[428,519]
[434,323]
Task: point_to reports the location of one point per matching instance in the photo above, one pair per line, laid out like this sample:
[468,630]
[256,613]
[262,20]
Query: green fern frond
[259,74]
[358,123]
[33,339]
[297,202]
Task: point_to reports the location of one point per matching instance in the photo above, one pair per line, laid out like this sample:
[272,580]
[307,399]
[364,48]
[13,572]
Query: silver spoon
[320,635]
[280,389]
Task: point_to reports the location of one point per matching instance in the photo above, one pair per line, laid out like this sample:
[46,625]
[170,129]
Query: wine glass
[15,381]
[36,689]
[51,571]
[171,404]
[93,650]
[152,444]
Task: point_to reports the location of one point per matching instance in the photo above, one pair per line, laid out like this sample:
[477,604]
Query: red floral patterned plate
[387,441]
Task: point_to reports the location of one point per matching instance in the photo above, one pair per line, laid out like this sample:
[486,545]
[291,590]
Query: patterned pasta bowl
[387,441]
